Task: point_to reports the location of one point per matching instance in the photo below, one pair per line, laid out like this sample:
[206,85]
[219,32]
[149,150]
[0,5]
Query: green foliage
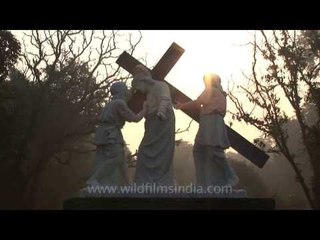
[9,53]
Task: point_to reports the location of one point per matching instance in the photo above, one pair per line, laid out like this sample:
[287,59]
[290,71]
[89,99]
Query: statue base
[168,203]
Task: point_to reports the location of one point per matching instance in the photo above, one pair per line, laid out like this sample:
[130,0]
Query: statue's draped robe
[156,150]
[110,164]
[212,167]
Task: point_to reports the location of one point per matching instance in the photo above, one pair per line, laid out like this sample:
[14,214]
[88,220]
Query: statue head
[141,70]
[142,79]
[212,80]
[119,90]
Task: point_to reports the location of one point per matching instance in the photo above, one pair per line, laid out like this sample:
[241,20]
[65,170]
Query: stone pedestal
[168,203]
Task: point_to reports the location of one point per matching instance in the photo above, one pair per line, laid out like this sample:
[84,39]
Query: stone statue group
[156,150]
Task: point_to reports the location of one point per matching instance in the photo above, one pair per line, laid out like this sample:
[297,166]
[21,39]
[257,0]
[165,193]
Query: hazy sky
[224,52]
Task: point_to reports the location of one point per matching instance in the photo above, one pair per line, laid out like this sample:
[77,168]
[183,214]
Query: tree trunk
[312,145]
[302,182]
[31,186]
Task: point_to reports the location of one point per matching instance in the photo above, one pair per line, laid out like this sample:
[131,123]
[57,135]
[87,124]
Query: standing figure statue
[110,164]
[211,165]
[156,150]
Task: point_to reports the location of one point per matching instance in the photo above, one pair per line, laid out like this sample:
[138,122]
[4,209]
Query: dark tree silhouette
[9,53]
[285,69]
[56,97]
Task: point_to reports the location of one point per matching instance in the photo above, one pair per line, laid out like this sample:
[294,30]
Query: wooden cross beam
[165,64]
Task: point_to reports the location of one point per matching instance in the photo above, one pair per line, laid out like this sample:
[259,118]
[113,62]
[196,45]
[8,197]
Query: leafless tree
[68,75]
[291,60]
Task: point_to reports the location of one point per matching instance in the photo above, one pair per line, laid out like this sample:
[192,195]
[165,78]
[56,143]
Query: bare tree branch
[178,131]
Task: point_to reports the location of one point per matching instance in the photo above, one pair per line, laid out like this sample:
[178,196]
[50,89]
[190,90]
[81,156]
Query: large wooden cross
[162,68]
